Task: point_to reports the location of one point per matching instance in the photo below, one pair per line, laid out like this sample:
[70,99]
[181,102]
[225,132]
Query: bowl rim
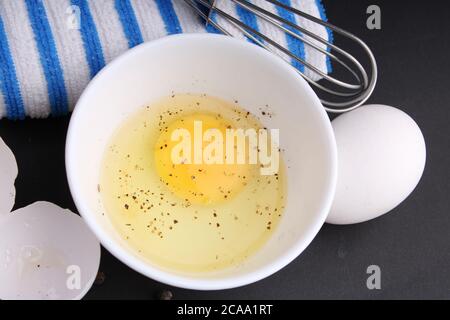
[190,282]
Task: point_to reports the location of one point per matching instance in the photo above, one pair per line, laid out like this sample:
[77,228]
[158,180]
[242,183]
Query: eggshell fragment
[8,174]
[381,155]
[46,253]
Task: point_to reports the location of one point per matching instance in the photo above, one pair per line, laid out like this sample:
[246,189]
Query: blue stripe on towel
[49,57]
[296,46]
[169,16]
[323,16]
[9,85]
[129,22]
[91,40]
[249,18]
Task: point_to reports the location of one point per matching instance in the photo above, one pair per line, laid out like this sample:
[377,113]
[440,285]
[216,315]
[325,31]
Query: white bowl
[232,70]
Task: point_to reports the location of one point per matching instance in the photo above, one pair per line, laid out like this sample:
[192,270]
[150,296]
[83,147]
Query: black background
[411,244]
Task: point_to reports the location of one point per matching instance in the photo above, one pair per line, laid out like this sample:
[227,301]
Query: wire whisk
[337,96]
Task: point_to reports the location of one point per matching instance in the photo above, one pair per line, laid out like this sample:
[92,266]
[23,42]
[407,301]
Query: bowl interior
[232,70]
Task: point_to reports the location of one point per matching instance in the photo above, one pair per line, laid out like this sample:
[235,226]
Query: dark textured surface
[411,244]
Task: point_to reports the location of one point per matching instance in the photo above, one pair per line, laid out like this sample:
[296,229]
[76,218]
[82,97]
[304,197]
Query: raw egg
[198,183]
[180,194]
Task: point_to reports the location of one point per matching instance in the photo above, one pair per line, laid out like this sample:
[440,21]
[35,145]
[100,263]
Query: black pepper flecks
[165,295]
[100,278]
[157,203]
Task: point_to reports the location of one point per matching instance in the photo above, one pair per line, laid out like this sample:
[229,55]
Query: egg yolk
[199,183]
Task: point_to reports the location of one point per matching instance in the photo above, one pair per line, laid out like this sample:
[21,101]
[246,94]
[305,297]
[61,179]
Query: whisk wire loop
[346,96]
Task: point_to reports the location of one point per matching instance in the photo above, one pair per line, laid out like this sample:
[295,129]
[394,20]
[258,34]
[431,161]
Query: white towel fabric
[50,49]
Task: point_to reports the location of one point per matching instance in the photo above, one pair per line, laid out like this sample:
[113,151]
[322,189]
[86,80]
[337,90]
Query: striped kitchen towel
[50,49]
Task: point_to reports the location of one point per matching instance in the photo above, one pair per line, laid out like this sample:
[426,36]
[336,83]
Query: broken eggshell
[8,175]
[46,253]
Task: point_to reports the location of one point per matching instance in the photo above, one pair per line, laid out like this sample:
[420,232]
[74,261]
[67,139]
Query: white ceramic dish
[232,70]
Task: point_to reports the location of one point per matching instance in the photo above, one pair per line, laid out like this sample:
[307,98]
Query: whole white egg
[381,155]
